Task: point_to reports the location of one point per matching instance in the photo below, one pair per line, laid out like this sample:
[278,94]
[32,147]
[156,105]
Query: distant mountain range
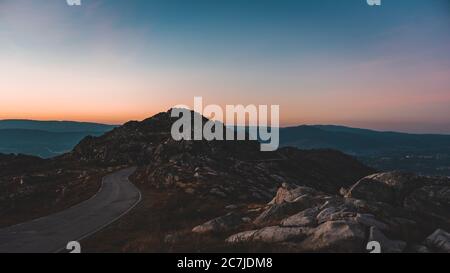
[55,126]
[45,138]
[362,142]
[420,153]
[426,154]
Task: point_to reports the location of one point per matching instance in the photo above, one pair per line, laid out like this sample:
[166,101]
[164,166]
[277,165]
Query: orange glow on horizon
[96,118]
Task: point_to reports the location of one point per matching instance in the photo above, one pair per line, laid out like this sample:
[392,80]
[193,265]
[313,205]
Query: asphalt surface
[52,233]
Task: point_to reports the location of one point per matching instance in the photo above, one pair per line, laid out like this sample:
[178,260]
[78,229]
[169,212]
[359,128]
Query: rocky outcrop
[275,213]
[220,224]
[383,208]
[305,218]
[291,193]
[241,237]
[426,198]
[335,236]
[272,234]
[439,241]
[390,187]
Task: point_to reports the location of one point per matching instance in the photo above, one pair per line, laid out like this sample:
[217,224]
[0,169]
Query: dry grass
[47,197]
[162,222]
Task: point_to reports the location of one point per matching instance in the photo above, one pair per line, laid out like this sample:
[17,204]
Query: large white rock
[302,219]
[273,234]
[335,236]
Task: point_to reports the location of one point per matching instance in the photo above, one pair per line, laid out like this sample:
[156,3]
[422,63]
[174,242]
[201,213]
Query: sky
[322,61]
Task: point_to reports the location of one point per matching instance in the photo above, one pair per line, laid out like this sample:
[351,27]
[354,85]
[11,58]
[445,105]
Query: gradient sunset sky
[322,61]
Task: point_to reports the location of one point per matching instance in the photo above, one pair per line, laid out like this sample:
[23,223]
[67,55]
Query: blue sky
[323,61]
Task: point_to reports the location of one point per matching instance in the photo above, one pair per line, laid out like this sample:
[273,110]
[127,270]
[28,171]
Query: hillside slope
[40,143]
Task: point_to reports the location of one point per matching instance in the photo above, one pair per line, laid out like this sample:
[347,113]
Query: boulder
[288,193]
[241,237]
[272,234]
[277,212]
[439,240]
[390,187]
[325,214]
[299,221]
[334,214]
[372,188]
[302,219]
[335,236]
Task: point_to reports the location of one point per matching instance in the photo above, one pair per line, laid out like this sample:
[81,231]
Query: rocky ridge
[401,211]
[234,170]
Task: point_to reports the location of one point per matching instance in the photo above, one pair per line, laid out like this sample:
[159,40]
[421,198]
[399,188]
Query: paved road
[116,197]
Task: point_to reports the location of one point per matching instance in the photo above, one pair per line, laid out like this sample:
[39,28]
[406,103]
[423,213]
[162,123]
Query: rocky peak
[139,142]
[228,169]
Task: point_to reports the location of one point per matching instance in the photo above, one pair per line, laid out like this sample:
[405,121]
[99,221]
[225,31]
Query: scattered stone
[343,191]
[254,210]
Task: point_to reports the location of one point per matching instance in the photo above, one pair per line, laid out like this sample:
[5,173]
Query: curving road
[49,234]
